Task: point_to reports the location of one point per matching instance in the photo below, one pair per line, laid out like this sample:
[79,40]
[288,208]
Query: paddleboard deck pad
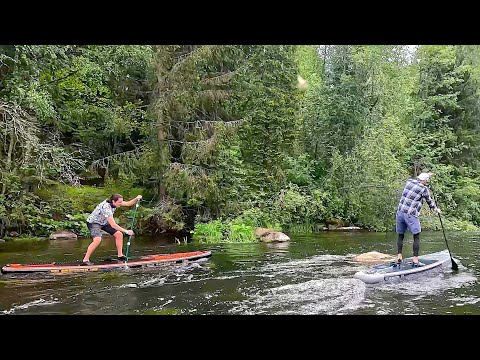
[108,264]
[382,272]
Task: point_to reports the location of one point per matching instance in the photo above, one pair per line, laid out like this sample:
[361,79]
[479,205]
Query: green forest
[222,139]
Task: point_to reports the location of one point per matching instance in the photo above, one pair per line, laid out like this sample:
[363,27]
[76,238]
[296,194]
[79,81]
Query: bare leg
[119,242]
[91,248]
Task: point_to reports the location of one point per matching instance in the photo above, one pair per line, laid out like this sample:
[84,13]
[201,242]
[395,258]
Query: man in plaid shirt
[408,210]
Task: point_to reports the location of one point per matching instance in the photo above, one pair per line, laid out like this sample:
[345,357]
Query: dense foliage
[222,139]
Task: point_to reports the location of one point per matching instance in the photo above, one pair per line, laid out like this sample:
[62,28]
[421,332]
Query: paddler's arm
[131,202]
[430,201]
[114,225]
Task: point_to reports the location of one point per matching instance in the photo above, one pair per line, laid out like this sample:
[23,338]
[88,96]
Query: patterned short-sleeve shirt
[102,212]
[412,196]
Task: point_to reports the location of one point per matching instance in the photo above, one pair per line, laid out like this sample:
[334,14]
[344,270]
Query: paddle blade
[454,265]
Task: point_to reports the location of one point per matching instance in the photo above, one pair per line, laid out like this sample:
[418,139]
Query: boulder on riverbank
[268,235]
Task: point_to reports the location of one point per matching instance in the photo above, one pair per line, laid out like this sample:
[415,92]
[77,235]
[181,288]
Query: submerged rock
[374,256]
[63,235]
[345,228]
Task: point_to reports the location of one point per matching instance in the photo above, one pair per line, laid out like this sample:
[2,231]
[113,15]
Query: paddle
[454,264]
[131,227]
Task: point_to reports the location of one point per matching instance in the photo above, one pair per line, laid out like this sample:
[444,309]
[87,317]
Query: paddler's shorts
[409,221]
[96,229]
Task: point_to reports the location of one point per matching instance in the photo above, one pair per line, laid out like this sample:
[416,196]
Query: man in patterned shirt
[408,211]
[102,219]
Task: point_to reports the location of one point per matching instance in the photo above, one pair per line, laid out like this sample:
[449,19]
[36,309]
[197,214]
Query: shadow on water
[311,274]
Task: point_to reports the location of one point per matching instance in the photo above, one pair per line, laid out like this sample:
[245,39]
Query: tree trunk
[161,148]
[9,160]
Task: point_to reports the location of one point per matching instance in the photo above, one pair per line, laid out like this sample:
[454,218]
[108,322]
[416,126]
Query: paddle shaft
[131,228]
[454,264]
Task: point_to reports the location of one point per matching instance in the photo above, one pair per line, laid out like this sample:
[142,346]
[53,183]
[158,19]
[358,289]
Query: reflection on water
[311,274]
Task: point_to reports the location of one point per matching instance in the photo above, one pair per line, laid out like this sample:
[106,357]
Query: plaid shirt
[411,200]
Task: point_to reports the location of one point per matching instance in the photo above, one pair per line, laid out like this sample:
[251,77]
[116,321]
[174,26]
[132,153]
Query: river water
[311,274]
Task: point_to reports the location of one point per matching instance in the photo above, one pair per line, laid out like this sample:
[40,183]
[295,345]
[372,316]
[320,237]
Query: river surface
[311,274]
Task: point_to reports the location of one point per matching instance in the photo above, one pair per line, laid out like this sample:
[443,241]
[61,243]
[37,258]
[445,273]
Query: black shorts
[96,229]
